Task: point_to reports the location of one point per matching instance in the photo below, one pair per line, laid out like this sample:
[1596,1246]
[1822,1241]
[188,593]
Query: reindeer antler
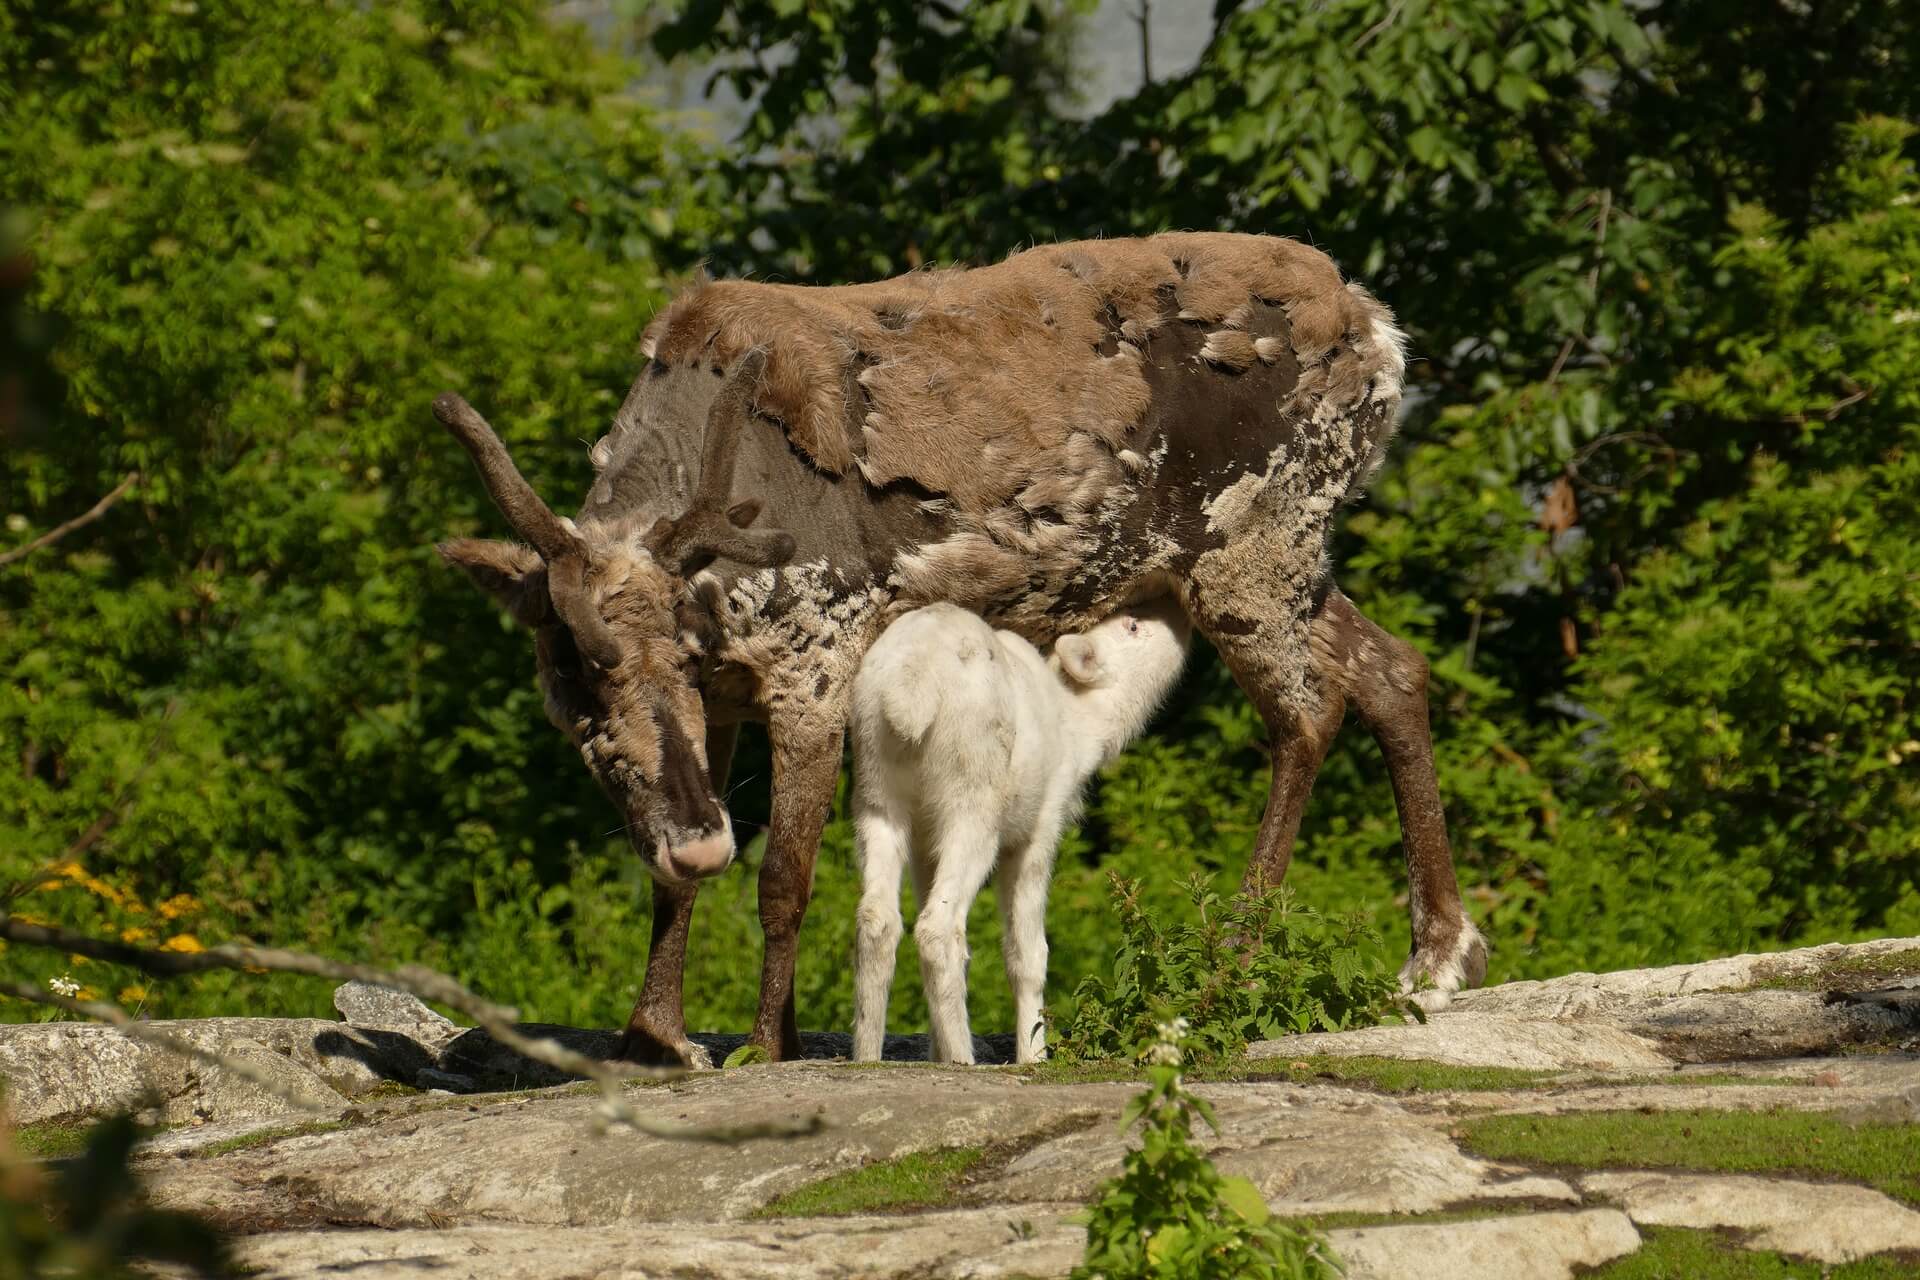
[710,529]
[533,519]
[530,517]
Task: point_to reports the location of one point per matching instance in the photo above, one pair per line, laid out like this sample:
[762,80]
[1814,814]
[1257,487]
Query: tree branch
[58,532]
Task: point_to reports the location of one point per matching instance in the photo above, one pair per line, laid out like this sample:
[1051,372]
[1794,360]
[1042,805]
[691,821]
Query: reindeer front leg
[806,765]
[656,1031]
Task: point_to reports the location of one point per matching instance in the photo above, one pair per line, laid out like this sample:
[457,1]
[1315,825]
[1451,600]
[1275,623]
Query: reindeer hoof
[1449,967]
[644,1049]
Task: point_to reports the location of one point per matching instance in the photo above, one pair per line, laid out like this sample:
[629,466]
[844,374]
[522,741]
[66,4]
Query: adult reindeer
[1040,441]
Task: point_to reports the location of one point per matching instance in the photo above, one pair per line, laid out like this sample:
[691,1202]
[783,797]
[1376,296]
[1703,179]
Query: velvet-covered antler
[532,519]
[711,529]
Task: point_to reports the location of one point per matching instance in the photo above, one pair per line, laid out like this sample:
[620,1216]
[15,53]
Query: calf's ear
[515,576]
[1079,660]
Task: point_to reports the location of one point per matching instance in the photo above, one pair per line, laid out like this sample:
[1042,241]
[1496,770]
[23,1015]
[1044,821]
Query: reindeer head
[608,604]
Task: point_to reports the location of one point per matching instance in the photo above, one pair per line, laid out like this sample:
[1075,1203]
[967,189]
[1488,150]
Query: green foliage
[86,1216]
[267,235]
[918,1180]
[1169,1214]
[1248,969]
[1877,1153]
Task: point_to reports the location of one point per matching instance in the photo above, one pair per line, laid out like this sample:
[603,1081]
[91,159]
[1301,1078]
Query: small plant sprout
[1170,1215]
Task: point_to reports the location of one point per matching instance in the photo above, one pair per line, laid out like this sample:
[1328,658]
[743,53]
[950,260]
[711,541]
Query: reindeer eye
[1133,626]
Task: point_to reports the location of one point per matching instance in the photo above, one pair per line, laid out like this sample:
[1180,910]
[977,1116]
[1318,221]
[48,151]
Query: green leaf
[1241,1196]
[745,1056]
[1426,144]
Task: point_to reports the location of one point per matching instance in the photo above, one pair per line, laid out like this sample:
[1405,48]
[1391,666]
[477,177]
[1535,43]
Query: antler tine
[711,526]
[530,517]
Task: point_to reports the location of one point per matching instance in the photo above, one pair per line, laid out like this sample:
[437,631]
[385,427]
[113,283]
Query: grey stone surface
[364,1004]
[73,1070]
[541,1159]
[974,1244]
[1312,1150]
[1829,1222]
[1469,1039]
[985,1244]
[1534,1246]
[1584,994]
[513,1185]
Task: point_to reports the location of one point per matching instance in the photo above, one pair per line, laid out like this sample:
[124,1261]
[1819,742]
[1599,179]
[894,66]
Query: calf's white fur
[971,750]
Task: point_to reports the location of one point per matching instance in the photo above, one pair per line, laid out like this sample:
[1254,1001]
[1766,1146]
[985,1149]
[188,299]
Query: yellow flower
[182,942]
[178,905]
[135,934]
[100,888]
[132,995]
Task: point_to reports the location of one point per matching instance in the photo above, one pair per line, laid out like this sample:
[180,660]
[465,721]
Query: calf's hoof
[1454,965]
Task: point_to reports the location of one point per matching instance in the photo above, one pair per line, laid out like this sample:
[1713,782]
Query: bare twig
[1560,361]
[101,1011]
[1145,19]
[58,532]
[1829,413]
[498,1021]
[1651,440]
[1367,36]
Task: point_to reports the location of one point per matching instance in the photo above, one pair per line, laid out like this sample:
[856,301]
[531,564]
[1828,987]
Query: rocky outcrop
[501,1185]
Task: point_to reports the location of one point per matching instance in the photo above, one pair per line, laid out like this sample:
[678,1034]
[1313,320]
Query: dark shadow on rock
[492,1066]
[388,1054]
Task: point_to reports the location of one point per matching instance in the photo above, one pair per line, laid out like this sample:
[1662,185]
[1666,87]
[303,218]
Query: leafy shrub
[1249,968]
[1171,1214]
[86,1218]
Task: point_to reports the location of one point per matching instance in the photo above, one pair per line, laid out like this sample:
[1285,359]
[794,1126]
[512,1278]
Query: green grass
[1670,1253]
[52,1140]
[1850,973]
[1811,1144]
[266,1137]
[1387,1075]
[389,1089]
[922,1180]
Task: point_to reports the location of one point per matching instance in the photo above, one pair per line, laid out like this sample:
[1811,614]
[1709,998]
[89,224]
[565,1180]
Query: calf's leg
[1022,896]
[963,855]
[882,837]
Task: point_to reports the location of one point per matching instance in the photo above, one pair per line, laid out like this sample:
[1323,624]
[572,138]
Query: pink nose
[707,856]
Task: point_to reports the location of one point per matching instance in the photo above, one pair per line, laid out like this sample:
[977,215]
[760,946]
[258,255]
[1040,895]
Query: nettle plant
[1170,1214]
[1247,968]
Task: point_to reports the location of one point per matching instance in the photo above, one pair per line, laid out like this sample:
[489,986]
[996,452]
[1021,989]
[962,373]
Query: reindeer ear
[513,575]
[1079,660]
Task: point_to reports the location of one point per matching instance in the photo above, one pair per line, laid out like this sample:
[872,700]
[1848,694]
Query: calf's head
[615,640]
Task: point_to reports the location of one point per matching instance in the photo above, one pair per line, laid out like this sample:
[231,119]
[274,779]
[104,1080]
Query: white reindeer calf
[970,751]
